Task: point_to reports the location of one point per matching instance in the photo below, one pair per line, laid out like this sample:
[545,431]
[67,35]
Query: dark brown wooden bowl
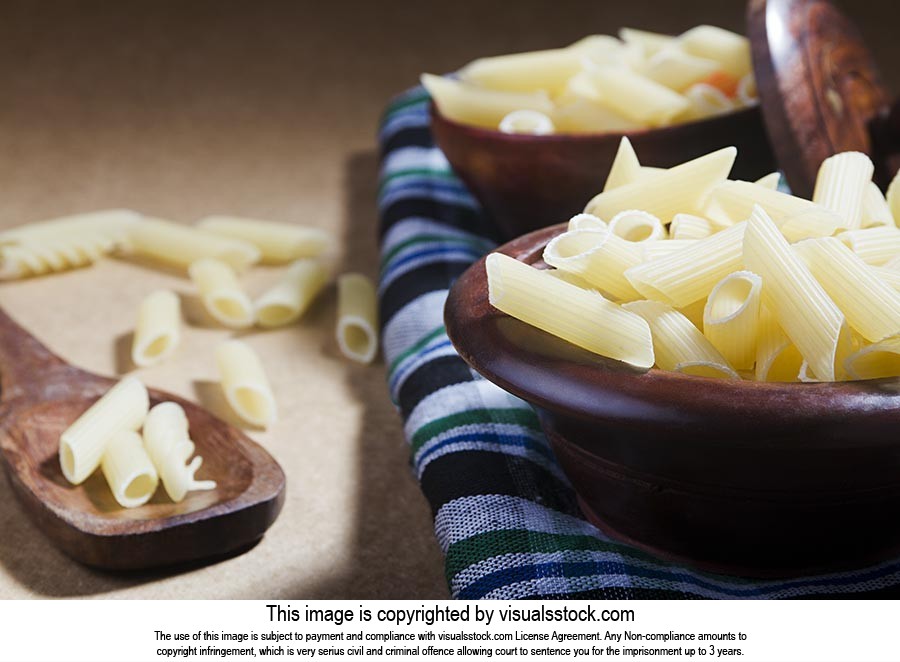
[528,182]
[743,478]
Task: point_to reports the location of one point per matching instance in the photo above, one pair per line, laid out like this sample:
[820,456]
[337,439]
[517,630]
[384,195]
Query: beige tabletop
[264,109]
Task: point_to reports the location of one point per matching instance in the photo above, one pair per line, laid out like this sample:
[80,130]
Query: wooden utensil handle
[885,133]
[24,362]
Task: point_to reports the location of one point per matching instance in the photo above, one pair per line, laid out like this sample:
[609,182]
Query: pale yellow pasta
[625,167]
[841,185]
[871,306]
[730,50]
[893,263]
[650,42]
[802,307]
[288,299]
[636,97]
[597,256]
[245,384]
[529,122]
[580,87]
[875,209]
[889,276]
[221,293]
[158,329]
[572,279]
[678,70]
[637,226]
[82,444]
[180,245]
[769,181]
[893,196]
[278,243]
[682,189]
[469,104]
[689,274]
[881,359]
[747,93]
[168,443]
[694,312]
[596,45]
[705,101]
[876,245]
[688,226]
[107,227]
[731,317]
[586,222]
[777,358]
[581,317]
[547,70]
[128,470]
[357,318]
[678,345]
[658,249]
[587,116]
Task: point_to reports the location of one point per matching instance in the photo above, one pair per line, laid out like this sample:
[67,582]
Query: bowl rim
[593,391]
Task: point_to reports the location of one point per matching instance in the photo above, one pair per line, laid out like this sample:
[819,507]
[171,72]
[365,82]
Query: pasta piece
[128,469]
[158,329]
[731,318]
[704,100]
[694,312]
[650,42]
[636,97]
[678,345]
[678,70]
[889,276]
[625,167]
[278,243]
[770,181]
[221,293]
[596,44]
[82,445]
[580,87]
[871,306]
[730,50]
[689,274]
[881,359]
[529,122]
[658,249]
[747,93]
[637,226]
[777,358]
[357,318]
[547,70]
[581,317]
[587,116]
[841,184]
[462,102]
[180,245]
[107,227]
[169,445]
[875,209]
[586,222]
[682,189]
[893,263]
[893,196]
[802,307]
[245,384]
[688,226]
[875,245]
[572,279]
[597,256]
[292,295]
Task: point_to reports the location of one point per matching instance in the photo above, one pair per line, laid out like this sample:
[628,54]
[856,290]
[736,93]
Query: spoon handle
[24,362]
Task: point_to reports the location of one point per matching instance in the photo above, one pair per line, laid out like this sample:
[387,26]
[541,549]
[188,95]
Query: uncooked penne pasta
[278,243]
[746,90]
[292,295]
[529,122]
[889,276]
[572,279]
[777,358]
[678,345]
[678,70]
[689,274]
[637,226]
[802,307]
[245,384]
[82,445]
[682,189]
[547,70]
[769,181]
[586,116]
[586,222]
[875,209]
[871,306]
[180,245]
[581,317]
[694,312]
[881,359]
[158,329]
[168,443]
[221,293]
[462,102]
[128,470]
[841,185]
[636,97]
[650,42]
[705,101]
[688,226]
[731,318]
[875,245]
[357,318]
[658,249]
[892,197]
[730,50]
[597,256]
[625,167]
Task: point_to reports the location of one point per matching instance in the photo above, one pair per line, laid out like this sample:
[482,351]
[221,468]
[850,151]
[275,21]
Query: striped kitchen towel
[504,514]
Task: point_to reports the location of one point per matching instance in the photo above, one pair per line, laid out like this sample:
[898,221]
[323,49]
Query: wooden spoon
[41,395]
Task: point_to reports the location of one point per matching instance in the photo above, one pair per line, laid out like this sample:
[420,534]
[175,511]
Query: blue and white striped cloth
[504,513]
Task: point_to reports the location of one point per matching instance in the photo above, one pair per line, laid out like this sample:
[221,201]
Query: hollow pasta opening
[67,460]
[573,244]
[635,226]
[255,404]
[785,367]
[275,314]
[357,339]
[141,486]
[730,298]
[231,310]
[157,348]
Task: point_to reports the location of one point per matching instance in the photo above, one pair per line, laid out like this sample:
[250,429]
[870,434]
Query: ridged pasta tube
[158,329]
[597,256]
[357,318]
[168,442]
[181,245]
[221,293]
[731,318]
[288,299]
[245,384]
[128,469]
[278,243]
[841,185]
